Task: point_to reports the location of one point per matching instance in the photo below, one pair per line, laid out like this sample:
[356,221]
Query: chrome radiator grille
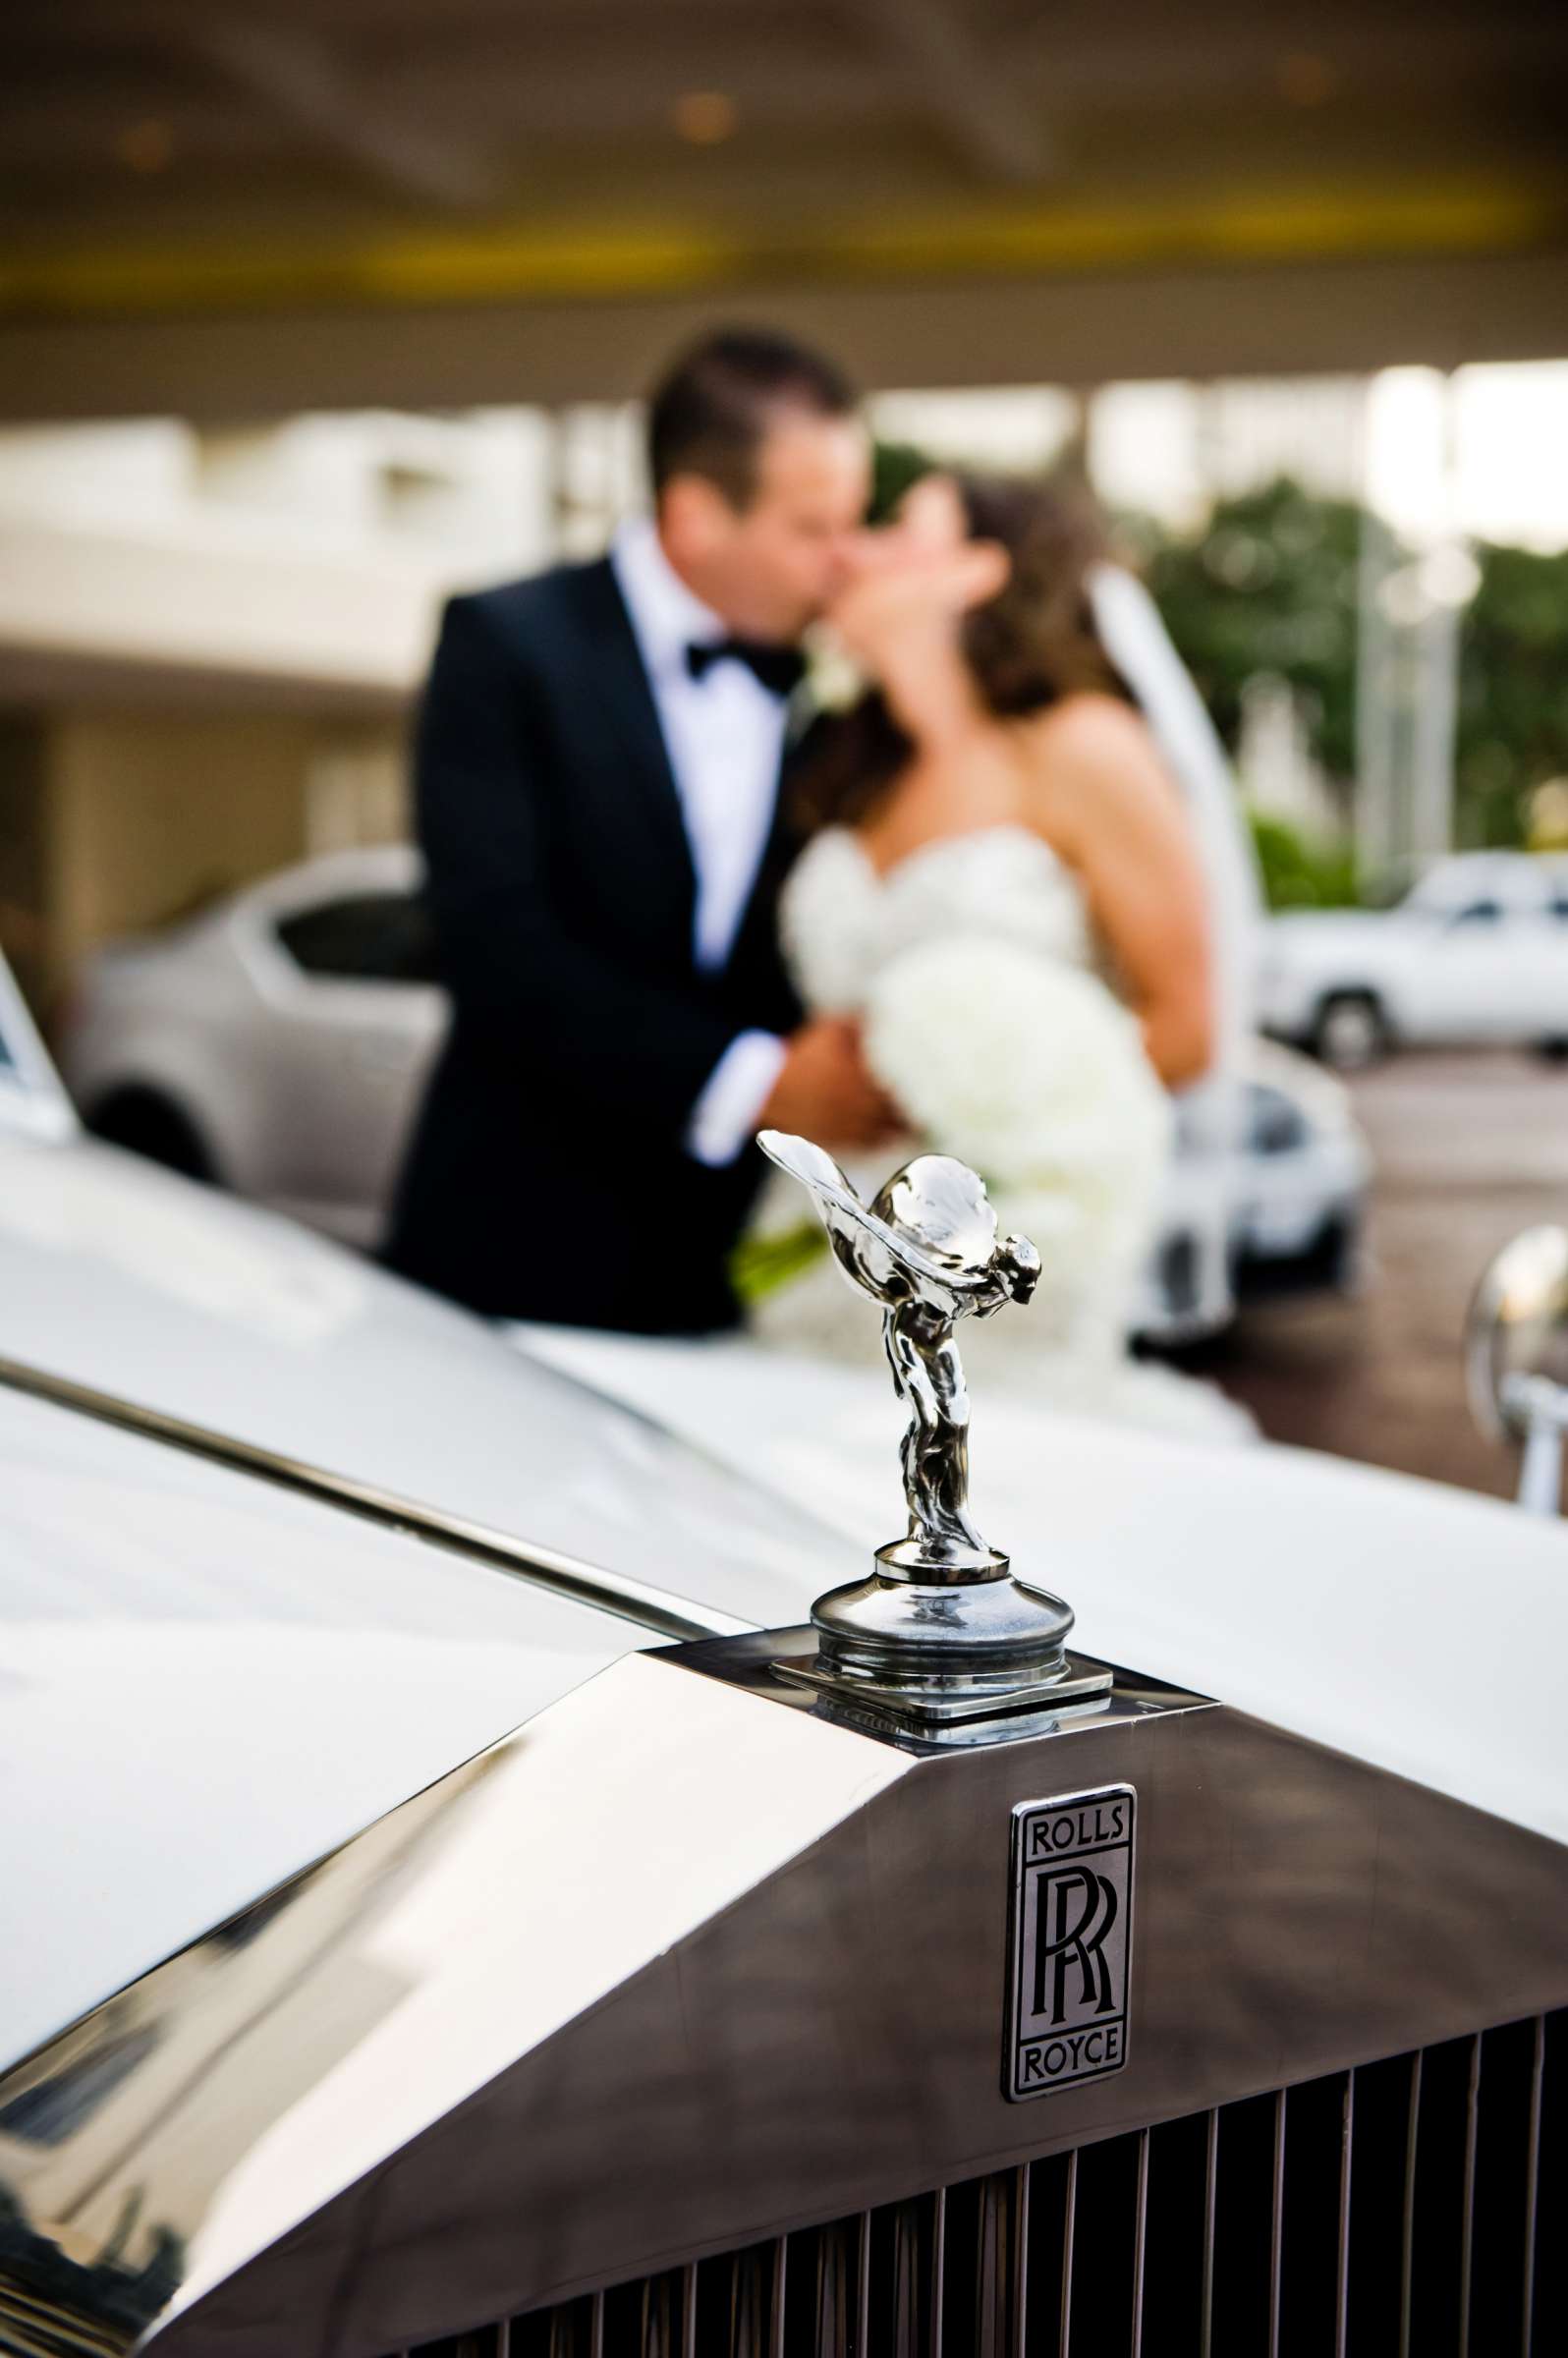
[1389,2212]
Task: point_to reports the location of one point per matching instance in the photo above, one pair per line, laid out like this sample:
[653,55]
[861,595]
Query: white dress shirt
[725,735]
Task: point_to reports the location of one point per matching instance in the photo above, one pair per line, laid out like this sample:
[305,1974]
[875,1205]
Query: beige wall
[24,876]
[112,822]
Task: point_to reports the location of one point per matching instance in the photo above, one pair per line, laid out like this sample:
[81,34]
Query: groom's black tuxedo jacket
[546,1177]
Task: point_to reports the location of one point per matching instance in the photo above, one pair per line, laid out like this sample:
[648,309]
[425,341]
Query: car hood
[1379,1615]
[124,1279]
[206,1684]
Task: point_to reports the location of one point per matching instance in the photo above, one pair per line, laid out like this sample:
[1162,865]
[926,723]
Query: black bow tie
[780,668]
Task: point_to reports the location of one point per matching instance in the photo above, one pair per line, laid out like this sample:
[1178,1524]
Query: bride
[1003,885]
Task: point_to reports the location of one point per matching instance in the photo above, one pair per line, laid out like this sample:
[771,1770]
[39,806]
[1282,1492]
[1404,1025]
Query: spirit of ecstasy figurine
[941,1637]
[926,1249]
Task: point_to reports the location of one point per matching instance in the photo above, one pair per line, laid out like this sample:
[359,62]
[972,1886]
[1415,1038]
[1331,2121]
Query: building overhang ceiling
[206,204]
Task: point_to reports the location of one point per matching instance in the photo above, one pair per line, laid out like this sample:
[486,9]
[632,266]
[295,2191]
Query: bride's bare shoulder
[1093,743]
[1091,727]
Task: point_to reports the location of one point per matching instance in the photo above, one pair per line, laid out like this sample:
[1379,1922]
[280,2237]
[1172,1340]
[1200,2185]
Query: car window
[363,938]
[31,1096]
[1275,1123]
[1476,912]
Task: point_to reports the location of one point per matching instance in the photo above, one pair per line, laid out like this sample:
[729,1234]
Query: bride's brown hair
[1029,647]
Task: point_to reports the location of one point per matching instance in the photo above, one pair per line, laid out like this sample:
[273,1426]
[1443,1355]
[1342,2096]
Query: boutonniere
[832,680]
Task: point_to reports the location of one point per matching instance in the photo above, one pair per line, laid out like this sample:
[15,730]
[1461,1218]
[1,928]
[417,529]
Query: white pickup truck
[1477,951]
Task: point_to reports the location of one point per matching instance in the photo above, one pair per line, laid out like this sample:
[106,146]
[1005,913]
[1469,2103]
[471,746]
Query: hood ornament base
[932,1654]
[942,1632]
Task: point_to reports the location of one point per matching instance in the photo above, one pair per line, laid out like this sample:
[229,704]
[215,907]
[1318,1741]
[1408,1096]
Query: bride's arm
[1104,799]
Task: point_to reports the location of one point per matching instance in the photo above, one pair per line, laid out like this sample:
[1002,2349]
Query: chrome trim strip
[1276,2225]
[688,2310]
[1538,2075]
[1021,2262]
[1069,2225]
[1211,2215]
[1407,2262]
[781,2253]
[1347,2132]
[1140,2242]
[523,1560]
[1466,2239]
[939,2268]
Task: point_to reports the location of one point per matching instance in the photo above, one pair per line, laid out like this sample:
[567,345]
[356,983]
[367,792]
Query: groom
[598,765]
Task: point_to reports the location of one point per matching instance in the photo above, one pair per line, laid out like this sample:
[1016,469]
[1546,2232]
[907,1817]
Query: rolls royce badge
[1070,1939]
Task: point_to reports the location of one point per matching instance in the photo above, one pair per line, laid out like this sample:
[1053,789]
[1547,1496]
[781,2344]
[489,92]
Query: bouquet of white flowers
[1032,1071]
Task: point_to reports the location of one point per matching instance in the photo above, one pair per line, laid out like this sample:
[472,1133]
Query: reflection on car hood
[132,1281]
[206,1684]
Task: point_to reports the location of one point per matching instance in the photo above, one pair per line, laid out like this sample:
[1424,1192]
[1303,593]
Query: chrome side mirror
[1516,1358]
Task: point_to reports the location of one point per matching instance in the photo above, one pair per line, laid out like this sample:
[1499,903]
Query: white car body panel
[1441,974]
[126,1278]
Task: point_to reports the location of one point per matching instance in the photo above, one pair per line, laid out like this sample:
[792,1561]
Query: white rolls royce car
[1475,952]
[447,1910]
[278,1042]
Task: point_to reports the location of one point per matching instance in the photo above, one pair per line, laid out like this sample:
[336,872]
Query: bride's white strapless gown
[842,920]
[843,923]
[804,1402]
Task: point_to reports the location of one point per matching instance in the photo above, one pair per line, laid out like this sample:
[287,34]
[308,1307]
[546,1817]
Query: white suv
[1477,951]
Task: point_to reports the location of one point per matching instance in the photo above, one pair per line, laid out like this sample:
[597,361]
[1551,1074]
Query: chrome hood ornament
[942,1632]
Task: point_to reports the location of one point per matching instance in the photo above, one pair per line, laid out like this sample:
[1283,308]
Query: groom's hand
[825,1089]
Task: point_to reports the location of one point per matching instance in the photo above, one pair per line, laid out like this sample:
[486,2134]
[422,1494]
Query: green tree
[1297,872]
[1269,583]
[895,466]
[1513,689]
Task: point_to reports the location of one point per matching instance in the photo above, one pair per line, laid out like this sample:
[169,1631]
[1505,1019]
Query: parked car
[275,1042]
[440,1919]
[278,1044]
[1477,951]
[1293,1194]
[32,1098]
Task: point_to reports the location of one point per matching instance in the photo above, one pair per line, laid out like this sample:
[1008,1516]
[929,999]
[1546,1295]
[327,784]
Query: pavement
[1468,1148]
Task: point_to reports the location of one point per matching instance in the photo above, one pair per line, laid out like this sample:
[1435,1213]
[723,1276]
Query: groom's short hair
[711,411]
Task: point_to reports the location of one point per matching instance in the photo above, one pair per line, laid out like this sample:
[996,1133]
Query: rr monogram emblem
[1070,1939]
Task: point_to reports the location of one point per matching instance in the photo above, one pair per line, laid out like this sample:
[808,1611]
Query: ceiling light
[145,147]
[1305,78]
[704,117]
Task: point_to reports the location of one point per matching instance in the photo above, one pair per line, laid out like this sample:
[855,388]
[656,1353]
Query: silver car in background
[277,1045]
[276,1042]
[33,1102]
